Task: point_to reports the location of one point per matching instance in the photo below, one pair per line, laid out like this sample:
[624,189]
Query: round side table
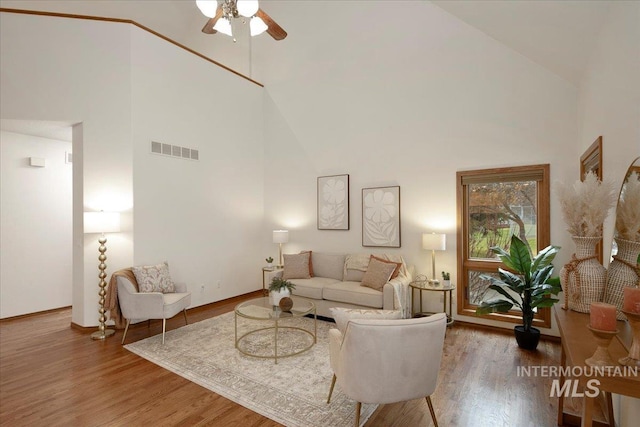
[424,286]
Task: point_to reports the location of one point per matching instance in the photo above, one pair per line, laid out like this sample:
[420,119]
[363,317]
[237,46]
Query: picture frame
[591,159]
[381,217]
[333,202]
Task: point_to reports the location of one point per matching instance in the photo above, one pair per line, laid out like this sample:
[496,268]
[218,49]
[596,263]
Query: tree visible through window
[493,204]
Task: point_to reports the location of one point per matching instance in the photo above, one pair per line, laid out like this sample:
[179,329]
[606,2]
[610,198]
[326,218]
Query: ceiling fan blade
[273,28]
[208,27]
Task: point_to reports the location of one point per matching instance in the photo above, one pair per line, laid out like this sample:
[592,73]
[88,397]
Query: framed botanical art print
[333,202]
[381,217]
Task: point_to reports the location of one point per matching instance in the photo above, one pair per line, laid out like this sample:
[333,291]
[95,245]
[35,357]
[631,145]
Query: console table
[577,345]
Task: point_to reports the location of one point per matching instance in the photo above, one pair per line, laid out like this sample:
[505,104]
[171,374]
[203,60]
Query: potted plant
[527,284]
[446,279]
[278,289]
[269,262]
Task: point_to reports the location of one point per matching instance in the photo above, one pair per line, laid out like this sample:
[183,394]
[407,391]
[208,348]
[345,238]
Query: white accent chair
[388,361]
[139,306]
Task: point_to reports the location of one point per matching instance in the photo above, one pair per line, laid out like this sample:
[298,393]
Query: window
[492,205]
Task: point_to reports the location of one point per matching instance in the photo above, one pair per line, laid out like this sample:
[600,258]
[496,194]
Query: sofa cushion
[296,266]
[311,288]
[378,273]
[310,261]
[328,265]
[397,264]
[353,293]
[342,316]
[154,278]
[352,275]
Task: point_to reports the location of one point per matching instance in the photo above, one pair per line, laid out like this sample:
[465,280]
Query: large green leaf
[544,257]
[502,291]
[512,280]
[520,256]
[494,305]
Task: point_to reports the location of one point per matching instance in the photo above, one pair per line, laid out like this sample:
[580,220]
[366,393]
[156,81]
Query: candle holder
[633,359]
[601,357]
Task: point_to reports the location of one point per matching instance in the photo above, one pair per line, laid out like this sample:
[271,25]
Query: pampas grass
[628,215]
[586,204]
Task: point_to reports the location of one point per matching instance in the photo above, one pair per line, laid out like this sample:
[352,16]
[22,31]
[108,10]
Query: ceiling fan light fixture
[247,8]
[224,26]
[207,7]
[257,26]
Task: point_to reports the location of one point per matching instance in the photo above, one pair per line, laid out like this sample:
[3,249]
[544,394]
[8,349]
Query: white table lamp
[280,237]
[434,242]
[102,222]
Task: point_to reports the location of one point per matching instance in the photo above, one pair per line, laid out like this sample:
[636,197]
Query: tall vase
[623,271]
[583,278]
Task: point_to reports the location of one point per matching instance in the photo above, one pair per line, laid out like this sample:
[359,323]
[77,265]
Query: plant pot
[583,278]
[527,340]
[276,296]
[622,272]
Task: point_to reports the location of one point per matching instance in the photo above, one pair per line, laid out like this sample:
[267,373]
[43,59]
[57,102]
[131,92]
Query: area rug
[292,392]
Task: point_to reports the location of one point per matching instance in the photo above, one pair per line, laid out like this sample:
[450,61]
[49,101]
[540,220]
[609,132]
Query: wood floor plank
[54,375]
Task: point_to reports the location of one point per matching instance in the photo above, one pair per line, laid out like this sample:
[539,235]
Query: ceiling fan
[220,15]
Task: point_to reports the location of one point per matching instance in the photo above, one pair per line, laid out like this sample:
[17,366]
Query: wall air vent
[174,151]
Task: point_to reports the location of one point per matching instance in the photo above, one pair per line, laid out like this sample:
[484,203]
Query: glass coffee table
[268,329]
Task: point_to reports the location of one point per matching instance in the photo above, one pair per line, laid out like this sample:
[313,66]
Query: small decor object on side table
[446,279]
[602,324]
[269,262]
[631,309]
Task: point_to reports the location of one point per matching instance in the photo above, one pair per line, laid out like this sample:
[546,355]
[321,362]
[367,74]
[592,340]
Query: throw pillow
[296,266]
[310,261]
[154,278]
[398,265]
[342,316]
[378,274]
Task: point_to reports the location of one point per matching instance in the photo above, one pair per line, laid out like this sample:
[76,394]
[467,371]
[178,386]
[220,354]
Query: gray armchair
[387,361]
[139,306]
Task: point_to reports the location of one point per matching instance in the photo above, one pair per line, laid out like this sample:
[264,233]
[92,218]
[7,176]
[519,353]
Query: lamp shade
[247,8]
[257,26]
[224,26]
[101,222]
[207,7]
[280,236]
[434,242]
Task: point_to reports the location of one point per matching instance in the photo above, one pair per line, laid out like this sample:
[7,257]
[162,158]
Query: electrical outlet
[218,284]
[202,287]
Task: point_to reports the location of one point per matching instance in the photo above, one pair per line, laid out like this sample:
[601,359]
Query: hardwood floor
[53,375]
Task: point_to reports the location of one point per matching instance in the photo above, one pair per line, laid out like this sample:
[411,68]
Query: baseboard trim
[502,330]
[37,313]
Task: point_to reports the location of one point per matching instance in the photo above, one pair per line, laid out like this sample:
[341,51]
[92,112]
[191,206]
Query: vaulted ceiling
[557,35]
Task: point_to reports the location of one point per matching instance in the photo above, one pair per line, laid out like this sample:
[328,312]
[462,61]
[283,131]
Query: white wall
[610,106]
[407,107]
[84,72]
[35,219]
[77,71]
[203,216]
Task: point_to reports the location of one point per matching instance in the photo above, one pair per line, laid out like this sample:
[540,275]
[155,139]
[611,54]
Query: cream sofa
[336,282]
